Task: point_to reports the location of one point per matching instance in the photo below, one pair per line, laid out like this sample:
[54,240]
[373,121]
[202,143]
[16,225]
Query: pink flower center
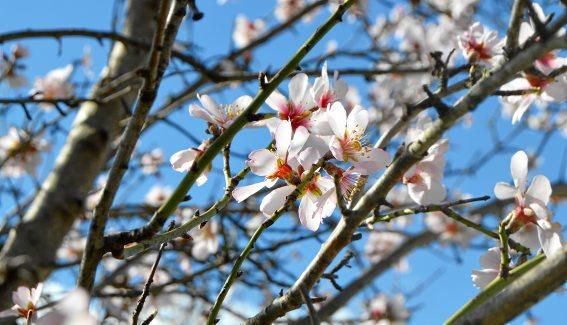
[480,52]
[297,115]
[416,178]
[536,81]
[524,215]
[326,99]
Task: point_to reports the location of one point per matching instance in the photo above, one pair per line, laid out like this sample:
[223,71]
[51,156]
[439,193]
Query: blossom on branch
[529,223]
[54,85]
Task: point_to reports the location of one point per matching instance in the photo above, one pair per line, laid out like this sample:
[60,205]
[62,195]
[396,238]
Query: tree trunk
[29,253]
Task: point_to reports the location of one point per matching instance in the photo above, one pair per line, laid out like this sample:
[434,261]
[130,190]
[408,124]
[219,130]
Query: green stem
[504,251]
[250,245]
[194,222]
[247,115]
[494,287]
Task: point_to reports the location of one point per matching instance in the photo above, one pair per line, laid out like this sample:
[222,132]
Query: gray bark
[30,250]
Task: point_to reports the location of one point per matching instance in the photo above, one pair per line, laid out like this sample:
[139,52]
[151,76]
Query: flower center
[296,115]
[480,52]
[284,171]
[536,81]
[413,179]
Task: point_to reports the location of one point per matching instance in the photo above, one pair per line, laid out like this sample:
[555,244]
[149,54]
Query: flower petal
[298,87]
[519,170]
[504,191]
[241,193]
[283,138]
[275,199]
[299,138]
[549,235]
[539,190]
[262,162]
[337,118]
[182,160]
[307,216]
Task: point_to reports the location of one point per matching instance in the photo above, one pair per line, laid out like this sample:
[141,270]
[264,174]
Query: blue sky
[212,38]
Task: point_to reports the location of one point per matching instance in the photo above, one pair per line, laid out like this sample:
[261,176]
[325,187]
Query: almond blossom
[348,143]
[478,44]
[219,115]
[384,310]
[381,243]
[182,161]
[529,223]
[274,165]
[450,230]
[157,195]
[53,86]
[20,153]
[424,179]
[205,240]
[538,85]
[25,302]
[151,161]
[10,69]
[490,264]
[326,93]
[245,30]
[285,9]
[298,108]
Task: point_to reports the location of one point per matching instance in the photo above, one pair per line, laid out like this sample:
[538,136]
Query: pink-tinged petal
[424,196]
[241,193]
[271,124]
[21,296]
[555,91]
[299,138]
[61,74]
[210,106]
[307,215]
[320,124]
[357,120]
[372,161]
[283,138]
[336,149]
[521,107]
[491,259]
[198,112]
[182,160]
[539,190]
[298,87]
[519,170]
[528,237]
[318,89]
[277,101]
[275,199]
[326,204]
[36,293]
[504,191]
[549,235]
[337,118]
[483,277]
[539,209]
[309,157]
[262,162]
[243,101]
